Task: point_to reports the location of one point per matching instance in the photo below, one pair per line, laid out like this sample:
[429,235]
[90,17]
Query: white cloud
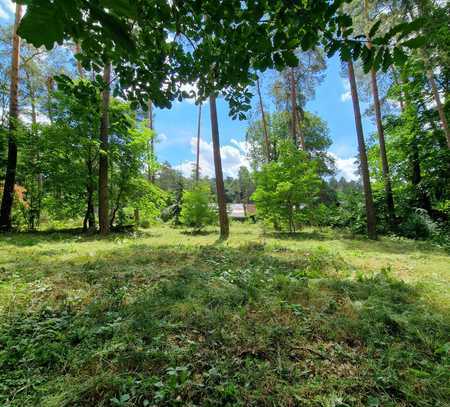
[234,156]
[347,95]
[346,167]
[161,137]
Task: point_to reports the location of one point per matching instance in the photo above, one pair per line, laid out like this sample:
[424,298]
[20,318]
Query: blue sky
[177,128]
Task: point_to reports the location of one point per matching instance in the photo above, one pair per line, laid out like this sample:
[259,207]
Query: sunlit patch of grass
[159,317]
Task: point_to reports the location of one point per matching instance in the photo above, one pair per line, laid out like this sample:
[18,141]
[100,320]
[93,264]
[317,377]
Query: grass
[164,318]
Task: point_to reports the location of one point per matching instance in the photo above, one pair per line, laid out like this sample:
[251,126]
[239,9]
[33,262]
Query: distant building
[241,211]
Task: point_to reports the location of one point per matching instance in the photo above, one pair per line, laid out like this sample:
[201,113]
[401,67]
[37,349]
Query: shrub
[196,211]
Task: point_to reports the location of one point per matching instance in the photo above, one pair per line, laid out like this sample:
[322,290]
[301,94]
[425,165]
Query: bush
[196,212]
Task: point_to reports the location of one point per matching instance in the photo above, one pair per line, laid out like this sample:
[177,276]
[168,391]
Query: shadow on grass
[25,239]
[239,316]
[301,235]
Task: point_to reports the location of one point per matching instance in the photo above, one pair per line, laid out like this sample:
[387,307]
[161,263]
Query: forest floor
[162,317]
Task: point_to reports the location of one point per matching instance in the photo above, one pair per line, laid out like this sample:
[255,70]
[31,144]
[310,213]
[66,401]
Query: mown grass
[165,318]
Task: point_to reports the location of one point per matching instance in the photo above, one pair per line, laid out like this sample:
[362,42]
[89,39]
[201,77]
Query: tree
[103,201]
[221,201]
[199,124]
[287,190]
[380,130]
[316,135]
[364,167]
[10,177]
[196,212]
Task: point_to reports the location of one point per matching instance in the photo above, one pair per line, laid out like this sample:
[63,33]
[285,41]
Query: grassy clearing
[166,318]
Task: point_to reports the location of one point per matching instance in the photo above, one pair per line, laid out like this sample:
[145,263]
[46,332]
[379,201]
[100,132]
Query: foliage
[287,190]
[196,210]
[135,38]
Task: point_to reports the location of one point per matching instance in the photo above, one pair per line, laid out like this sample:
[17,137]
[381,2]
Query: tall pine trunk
[293,106]
[370,209]
[197,163]
[439,106]
[380,130]
[11,166]
[223,215]
[263,116]
[103,198]
[151,146]
[383,153]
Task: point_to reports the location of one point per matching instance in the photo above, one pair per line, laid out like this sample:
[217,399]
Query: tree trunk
[11,166]
[89,219]
[380,130]
[263,116]
[293,107]
[370,209]
[223,215]
[439,106]
[103,203]
[151,152]
[49,98]
[383,153]
[301,118]
[197,163]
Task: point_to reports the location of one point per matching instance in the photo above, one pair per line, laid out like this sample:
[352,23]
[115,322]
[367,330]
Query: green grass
[165,318]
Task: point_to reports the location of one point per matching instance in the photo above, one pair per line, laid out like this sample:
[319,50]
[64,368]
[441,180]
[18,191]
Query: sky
[177,127]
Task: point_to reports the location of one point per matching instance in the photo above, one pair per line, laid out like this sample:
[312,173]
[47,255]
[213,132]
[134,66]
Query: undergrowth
[213,325]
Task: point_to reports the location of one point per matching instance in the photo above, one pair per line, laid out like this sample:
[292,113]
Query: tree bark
[370,209]
[197,163]
[89,218]
[151,153]
[380,130]
[223,215]
[49,98]
[11,166]
[383,153]
[103,198]
[293,107]
[300,120]
[263,116]
[440,108]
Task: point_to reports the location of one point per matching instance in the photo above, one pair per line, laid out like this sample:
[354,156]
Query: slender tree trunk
[49,98]
[293,107]
[439,106]
[380,130]
[136,217]
[151,152]
[223,215]
[103,203]
[89,219]
[370,209]
[300,120]
[263,116]
[197,163]
[422,198]
[383,153]
[11,166]
[35,197]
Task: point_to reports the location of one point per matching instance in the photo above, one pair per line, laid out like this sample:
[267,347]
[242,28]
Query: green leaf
[42,25]
[290,58]
[414,43]
[374,29]
[399,56]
